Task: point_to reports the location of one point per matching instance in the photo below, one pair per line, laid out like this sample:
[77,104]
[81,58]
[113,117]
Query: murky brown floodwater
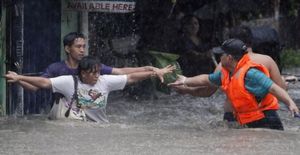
[172,124]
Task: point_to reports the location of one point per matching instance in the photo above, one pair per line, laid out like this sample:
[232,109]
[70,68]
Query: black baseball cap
[232,47]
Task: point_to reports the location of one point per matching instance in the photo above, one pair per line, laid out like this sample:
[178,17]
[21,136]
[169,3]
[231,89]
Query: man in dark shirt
[74,46]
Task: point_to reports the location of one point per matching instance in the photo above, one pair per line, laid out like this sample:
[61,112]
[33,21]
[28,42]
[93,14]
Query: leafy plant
[290,58]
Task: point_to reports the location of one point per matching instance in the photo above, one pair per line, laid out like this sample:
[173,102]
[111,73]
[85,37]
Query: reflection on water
[171,124]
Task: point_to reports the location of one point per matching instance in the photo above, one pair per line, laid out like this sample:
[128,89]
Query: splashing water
[168,124]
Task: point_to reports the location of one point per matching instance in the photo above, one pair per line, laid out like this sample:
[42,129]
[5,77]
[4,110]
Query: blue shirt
[256,82]
[61,68]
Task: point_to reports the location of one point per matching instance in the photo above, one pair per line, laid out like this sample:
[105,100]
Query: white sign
[113,6]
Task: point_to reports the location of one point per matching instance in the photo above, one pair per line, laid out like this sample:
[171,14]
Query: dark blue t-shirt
[61,68]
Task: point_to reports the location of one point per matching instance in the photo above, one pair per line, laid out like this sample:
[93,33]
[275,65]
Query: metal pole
[19,8]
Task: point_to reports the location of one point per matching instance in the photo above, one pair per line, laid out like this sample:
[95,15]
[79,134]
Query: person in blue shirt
[243,33]
[74,46]
[255,82]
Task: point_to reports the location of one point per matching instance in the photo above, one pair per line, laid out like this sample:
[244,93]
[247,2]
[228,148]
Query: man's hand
[180,81]
[11,77]
[160,72]
[294,109]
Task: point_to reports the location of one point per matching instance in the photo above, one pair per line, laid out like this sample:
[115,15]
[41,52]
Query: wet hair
[89,64]
[70,38]
[243,33]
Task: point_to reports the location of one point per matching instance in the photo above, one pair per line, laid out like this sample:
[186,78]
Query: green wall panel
[2,61]
[69,23]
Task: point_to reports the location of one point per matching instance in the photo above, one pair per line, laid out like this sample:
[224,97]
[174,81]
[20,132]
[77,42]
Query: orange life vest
[246,108]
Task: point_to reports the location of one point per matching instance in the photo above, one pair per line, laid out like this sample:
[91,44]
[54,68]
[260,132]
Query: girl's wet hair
[89,64]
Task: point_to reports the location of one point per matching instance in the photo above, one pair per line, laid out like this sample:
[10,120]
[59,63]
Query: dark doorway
[42,22]
[39,23]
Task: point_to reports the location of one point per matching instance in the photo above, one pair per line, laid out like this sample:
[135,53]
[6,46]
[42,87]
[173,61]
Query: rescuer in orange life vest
[247,85]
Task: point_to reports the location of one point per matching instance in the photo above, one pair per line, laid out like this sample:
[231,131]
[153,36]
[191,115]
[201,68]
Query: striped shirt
[256,82]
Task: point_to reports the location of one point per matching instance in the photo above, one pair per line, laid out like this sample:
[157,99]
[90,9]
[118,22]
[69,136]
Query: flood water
[172,124]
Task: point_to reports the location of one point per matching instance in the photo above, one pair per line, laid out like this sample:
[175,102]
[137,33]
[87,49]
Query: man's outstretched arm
[196,81]
[39,82]
[138,76]
[24,84]
[128,70]
[205,91]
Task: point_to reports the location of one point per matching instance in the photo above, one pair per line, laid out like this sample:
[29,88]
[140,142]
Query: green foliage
[162,59]
[290,58]
[294,6]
